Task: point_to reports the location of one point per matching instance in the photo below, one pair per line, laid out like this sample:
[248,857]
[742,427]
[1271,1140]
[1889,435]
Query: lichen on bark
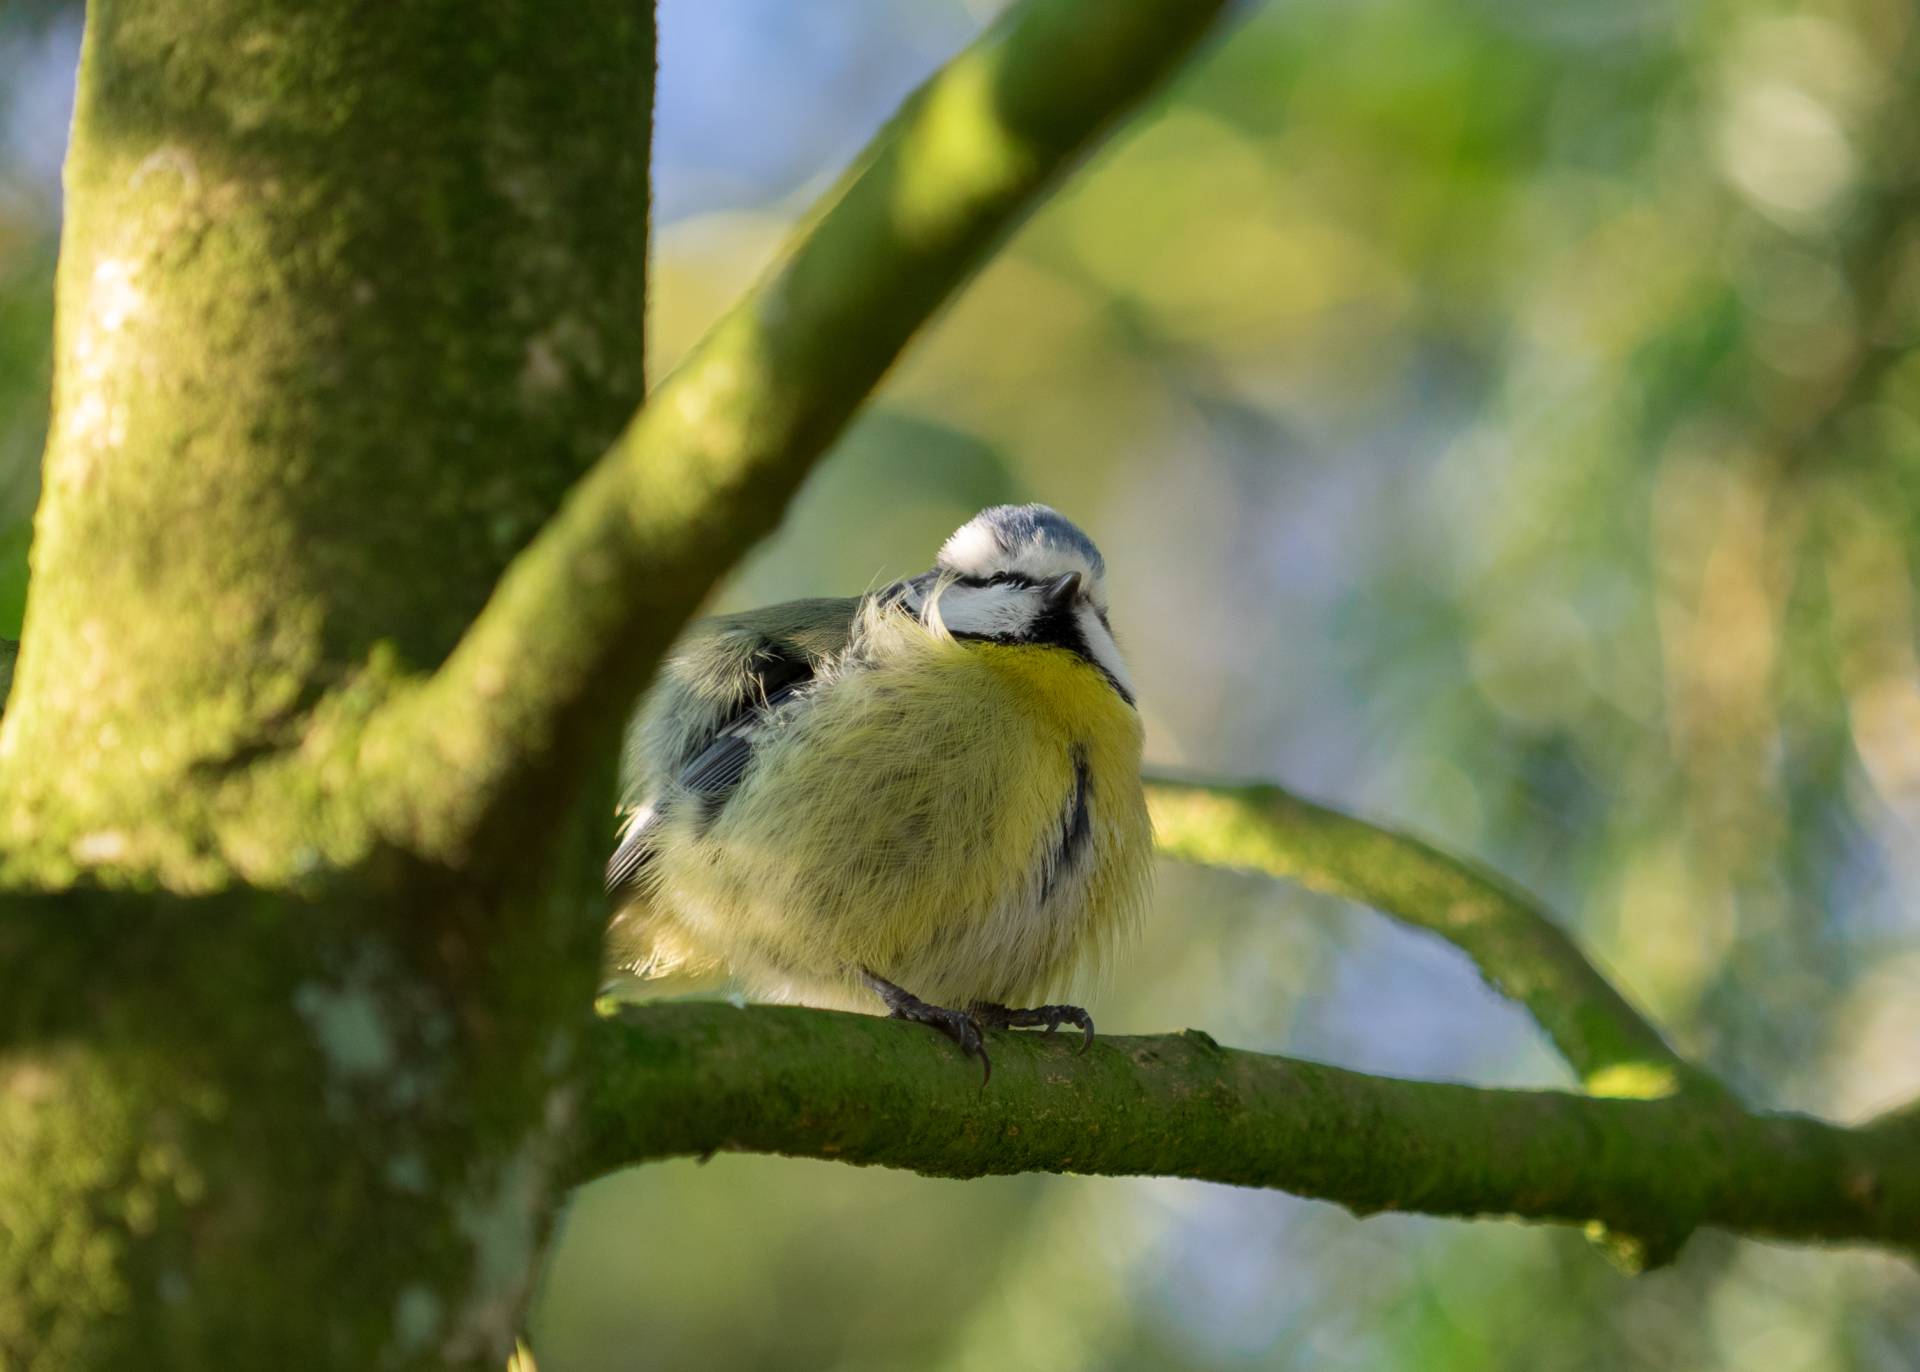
[251,1100]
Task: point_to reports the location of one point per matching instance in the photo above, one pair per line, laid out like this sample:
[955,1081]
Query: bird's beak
[1061,589]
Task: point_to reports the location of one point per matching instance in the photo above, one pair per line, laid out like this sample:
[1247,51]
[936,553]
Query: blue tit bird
[927,798]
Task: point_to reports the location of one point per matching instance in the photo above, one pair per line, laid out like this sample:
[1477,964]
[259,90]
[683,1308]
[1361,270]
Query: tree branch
[576,625]
[1516,945]
[1903,1121]
[681,1079]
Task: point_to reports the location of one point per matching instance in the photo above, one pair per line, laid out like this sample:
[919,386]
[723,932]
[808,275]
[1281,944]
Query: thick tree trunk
[349,295]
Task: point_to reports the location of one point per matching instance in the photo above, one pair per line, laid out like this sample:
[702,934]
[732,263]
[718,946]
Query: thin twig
[1510,937]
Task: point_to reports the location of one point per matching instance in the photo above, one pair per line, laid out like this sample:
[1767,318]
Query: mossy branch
[539,683]
[684,1079]
[1512,940]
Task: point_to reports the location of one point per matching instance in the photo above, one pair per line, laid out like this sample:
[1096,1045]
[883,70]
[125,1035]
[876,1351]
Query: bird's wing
[716,771]
[777,652]
[712,773]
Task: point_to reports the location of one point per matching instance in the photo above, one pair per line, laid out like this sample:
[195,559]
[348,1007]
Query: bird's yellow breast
[1058,683]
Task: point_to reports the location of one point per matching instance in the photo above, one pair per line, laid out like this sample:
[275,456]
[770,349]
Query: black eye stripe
[997,579]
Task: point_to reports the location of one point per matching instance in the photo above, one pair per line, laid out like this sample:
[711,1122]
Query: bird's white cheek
[992,611]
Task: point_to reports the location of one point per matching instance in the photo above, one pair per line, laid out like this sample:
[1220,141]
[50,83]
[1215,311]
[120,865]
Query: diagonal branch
[1516,945]
[541,678]
[691,1079]
[1902,1121]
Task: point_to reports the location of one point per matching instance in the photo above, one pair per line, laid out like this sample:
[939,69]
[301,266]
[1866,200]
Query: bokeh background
[1498,418]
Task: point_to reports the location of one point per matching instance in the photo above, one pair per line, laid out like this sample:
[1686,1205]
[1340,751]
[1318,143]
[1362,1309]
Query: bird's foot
[957,1025]
[1048,1017]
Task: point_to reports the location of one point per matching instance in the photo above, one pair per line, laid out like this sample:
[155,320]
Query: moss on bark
[348,296]
[690,1079]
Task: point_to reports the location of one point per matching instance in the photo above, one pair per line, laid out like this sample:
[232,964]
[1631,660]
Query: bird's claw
[957,1025]
[1048,1017]
[961,1027]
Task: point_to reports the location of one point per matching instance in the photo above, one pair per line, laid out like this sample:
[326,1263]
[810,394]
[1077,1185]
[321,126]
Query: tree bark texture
[349,295]
[677,1079]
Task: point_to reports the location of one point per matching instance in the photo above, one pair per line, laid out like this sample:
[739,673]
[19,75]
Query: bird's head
[1022,574]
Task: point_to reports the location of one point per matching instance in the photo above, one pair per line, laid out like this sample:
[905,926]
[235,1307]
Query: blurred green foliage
[1500,418]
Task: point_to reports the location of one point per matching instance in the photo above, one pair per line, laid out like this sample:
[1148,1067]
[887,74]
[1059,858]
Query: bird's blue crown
[999,536]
